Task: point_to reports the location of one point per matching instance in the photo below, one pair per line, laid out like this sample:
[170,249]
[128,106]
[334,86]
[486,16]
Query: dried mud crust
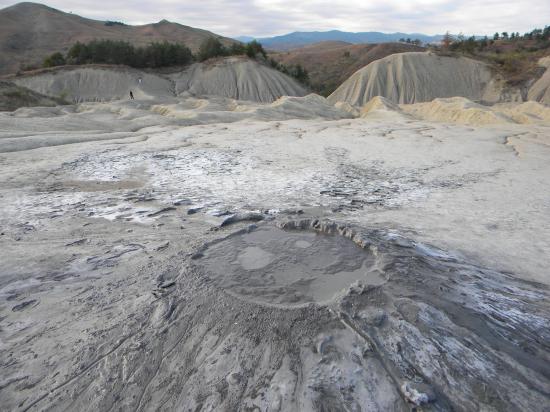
[450,335]
[440,333]
[102,307]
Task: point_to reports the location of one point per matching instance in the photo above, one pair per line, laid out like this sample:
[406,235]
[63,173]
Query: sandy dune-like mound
[380,107]
[527,112]
[418,77]
[456,110]
[540,91]
[224,110]
[237,78]
[311,106]
[96,83]
[460,110]
[120,119]
[345,106]
[13,97]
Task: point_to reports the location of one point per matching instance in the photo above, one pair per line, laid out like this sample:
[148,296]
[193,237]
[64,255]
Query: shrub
[55,59]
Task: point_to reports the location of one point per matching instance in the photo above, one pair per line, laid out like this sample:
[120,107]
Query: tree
[211,47]
[120,52]
[537,34]
[447,40]
[496,36]
[505,35]
[237,49]
[298,72]
[253,48]
[469,45]
[53,60]
[483,43]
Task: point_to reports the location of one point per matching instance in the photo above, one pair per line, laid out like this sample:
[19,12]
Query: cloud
[271,17]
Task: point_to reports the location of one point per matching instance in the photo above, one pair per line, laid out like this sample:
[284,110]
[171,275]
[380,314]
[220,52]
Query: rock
[193,210]
[162,247]
[163,210]
[372,316]
[323,344]
[167,284]
[241,217]
[24,305]
[182,202]
[418,393]
[77,242]
[234,378]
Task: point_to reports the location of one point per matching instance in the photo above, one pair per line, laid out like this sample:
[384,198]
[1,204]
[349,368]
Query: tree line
[408,40]
[472,44]
[163,54]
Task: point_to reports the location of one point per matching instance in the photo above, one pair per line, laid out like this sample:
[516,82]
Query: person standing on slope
[131,95]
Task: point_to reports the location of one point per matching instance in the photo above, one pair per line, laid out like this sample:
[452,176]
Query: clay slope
[96,83]
[329,64]
[237,78]
[540,91]
[419,77]
[13,97]
[30,31]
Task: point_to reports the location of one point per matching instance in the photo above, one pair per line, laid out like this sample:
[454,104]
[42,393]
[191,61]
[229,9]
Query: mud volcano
[448,333]
[289,267]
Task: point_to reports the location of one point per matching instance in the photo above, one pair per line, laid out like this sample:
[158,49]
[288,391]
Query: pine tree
[447,40]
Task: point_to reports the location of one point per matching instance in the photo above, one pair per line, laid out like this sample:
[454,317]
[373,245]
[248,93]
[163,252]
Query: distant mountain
[300,39]
[244,39]
[31,31]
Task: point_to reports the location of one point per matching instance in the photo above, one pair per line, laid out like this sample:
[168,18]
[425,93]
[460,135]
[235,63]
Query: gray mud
[269,265]
[449,334]
[150,266]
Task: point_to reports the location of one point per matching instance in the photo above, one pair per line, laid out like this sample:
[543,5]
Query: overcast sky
[273,17]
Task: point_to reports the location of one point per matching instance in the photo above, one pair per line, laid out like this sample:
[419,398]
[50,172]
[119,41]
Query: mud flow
[290,268]
[438,325]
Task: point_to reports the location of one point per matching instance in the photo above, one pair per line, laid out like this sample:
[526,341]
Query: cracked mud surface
[157,273]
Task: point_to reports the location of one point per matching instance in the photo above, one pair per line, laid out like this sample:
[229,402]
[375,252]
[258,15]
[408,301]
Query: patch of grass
[15,94]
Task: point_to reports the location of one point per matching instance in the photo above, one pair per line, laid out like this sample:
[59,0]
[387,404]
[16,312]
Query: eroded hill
[233,77]
[329,64]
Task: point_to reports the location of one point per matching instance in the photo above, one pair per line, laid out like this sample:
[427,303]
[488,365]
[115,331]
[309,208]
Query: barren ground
[160,261]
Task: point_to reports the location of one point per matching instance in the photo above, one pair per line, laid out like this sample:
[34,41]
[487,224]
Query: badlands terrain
[331,63]
[216,244]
